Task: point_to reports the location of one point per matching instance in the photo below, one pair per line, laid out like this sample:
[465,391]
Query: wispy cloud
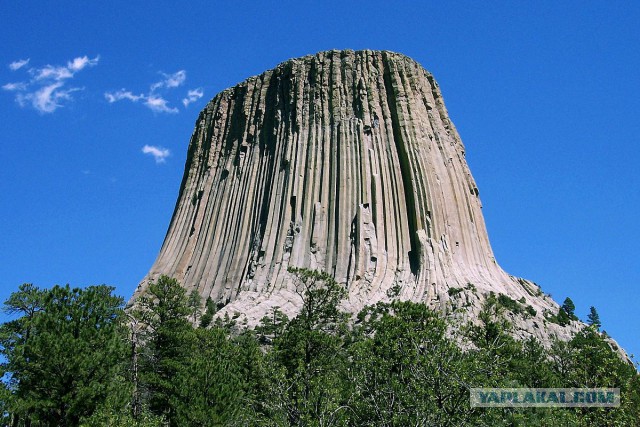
[58,73]
[156,99]
[16,65]
[170,80]
[158,153]
[192,96]
[159,105]
[122,94]
[15,86]
[52,73]
[79,63]
[46,90]
[48,98]
[155,103]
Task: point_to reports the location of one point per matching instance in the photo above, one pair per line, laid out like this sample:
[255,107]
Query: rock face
[345,162]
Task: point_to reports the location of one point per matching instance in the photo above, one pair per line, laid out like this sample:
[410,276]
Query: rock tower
[343,161]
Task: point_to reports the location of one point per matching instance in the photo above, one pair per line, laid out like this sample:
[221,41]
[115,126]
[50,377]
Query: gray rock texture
[343,161]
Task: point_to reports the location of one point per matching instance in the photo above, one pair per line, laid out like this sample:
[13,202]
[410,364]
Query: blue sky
[99,100]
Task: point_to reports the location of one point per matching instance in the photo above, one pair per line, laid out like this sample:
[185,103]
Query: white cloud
[154,101]
[159,105]
[52,73]
[170,80]
[81,62]
[16,65]
[158,153]
[58,73]
[46,91]
[15,86]
[47,98]
[122,94]
[192,96]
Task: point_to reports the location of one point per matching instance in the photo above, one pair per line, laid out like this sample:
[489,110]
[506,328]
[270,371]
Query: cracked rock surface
[343,161]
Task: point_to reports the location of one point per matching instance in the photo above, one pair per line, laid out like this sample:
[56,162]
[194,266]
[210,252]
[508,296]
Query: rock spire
[343,161]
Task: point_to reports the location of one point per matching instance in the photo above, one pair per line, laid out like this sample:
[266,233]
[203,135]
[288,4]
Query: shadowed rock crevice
[405,174]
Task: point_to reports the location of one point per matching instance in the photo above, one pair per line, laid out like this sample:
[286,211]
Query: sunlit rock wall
[345,162]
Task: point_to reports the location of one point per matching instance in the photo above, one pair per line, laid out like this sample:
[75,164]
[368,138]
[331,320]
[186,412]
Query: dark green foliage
[311,352]
[496,348]
[122,417]
[404,370]
[271,326]
[5,401]
[588,360]
[320,295]
[454,291]
[516,307]
[531,311]
[562,317]
[594,318]
[394,291]
[531,367]
[64,354]
[191,376]
[397,364]
[209,385]
[569,308]
[169,339]
[207,317]
[194,303]
[510,304]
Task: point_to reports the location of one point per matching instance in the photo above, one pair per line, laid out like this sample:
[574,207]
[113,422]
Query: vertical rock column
[342,161]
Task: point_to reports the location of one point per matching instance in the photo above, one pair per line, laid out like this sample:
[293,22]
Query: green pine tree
[169,339]
[271,326]
[562,317]
[207,317]
[194,302]
[594,318]
[64,354]
[209,384]
[569,308]
[311,353]
[404,370]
